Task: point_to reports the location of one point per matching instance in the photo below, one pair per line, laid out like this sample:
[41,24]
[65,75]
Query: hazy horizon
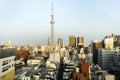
[28,21]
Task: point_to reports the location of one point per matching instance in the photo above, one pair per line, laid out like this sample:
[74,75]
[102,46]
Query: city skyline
[25,22]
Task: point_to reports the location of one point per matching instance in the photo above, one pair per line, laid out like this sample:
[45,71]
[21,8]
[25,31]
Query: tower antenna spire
[52,8]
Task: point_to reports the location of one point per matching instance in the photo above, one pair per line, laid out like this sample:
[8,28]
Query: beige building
[109,42]
[72,41]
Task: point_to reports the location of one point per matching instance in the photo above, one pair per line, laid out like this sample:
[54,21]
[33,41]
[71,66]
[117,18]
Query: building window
[5,62]
[12,65]
[5,68]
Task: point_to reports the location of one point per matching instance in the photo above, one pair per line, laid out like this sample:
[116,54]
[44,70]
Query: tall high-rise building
[105,58]
[72,41]
[80,41]
[95,45]
[109,42]
[52,27]
[117,41]
[112,41]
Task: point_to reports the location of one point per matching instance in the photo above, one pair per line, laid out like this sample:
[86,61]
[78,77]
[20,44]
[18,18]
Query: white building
[7,69]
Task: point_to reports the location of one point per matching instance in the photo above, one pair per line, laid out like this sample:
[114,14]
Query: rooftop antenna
[52,6]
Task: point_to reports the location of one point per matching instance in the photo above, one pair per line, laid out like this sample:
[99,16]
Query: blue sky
[28,21]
